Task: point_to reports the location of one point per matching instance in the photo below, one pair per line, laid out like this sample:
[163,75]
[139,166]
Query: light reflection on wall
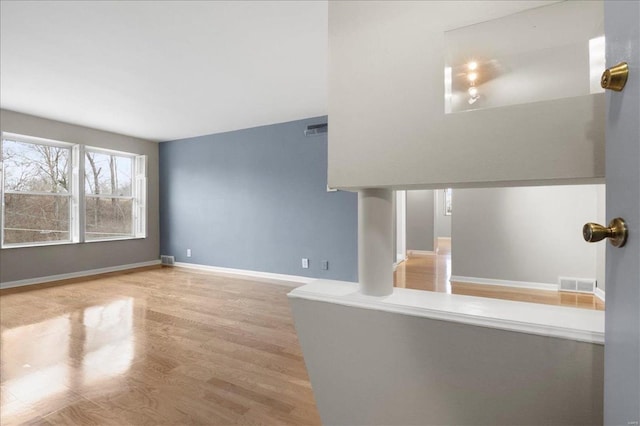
[597,63]
[47,359]
[546,53]
[448,81]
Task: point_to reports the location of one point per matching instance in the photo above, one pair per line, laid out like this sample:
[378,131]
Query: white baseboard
[599,293]
[399,259]
[288,280]
[505,283]
[410,252]
[79,274]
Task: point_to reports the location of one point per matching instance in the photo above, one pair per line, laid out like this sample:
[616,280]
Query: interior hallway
[431,272]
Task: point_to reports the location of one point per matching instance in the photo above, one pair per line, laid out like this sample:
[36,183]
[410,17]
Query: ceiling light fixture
[472,76]
[472,66]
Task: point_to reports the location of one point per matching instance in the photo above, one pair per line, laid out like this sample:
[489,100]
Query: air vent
[167,260]
[579,285]
[586,286]
[568,284]
[316,129]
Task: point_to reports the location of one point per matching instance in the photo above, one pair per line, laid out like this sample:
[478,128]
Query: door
[622,329]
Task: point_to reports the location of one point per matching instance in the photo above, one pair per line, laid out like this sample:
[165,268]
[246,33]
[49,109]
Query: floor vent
[167,260]
[579,285]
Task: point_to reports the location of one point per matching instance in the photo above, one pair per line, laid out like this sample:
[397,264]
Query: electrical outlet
[305,263]
[325,265]
[188,252]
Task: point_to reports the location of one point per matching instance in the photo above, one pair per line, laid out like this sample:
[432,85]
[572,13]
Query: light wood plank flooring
[432,272]
[176,346]
[160,346]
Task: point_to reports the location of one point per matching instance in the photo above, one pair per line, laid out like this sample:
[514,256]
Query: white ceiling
[164,70]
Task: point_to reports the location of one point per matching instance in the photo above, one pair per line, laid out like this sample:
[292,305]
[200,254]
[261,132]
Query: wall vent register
[578,285]
[316,129]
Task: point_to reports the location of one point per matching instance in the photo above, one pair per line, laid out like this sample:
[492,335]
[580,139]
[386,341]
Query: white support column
[375,241]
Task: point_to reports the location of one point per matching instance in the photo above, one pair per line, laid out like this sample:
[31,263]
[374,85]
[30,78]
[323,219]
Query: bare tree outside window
[36,192]
[43,200]
[108,194]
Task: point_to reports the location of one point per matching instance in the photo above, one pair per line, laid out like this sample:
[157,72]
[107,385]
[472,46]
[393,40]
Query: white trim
[79,274]
[504,283]
[100,240]
[89,148]
[424,252]
[599,293]
[34,140]
[38,244]
[118,197]
[398,261]
[582,325]
[38,193]
[289,280]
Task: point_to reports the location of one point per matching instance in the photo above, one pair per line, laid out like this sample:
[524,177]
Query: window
[45,202]
[37,191]
[448,195]
[109,201]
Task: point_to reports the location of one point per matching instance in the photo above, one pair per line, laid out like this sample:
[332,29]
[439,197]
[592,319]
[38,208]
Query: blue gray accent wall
[256,199]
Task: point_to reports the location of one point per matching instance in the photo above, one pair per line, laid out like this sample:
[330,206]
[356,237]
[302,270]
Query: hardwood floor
[161,346]
[432,272]
[176,346]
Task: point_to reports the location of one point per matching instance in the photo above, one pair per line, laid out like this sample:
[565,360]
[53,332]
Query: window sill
[65,243]
[45,244]
[102,240]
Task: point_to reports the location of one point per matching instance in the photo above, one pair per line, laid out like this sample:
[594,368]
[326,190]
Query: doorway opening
[494,242]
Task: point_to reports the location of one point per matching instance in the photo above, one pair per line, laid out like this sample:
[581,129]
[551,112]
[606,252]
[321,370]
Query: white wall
[370,367]
[401,226]
[530,234]
[386,103]
[420,220]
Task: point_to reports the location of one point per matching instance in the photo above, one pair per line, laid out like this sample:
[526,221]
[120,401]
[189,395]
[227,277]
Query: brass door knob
[616,232]
[615,78]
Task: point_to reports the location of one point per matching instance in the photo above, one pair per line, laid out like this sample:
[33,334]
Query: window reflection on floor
[83,348]
[109,341]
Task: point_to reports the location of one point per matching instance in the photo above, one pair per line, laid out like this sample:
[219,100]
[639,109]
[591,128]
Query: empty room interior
[319,212]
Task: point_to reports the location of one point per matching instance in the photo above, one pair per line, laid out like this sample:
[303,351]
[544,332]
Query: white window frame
[138,194]
[76,194]
[70,193]
[447,201]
